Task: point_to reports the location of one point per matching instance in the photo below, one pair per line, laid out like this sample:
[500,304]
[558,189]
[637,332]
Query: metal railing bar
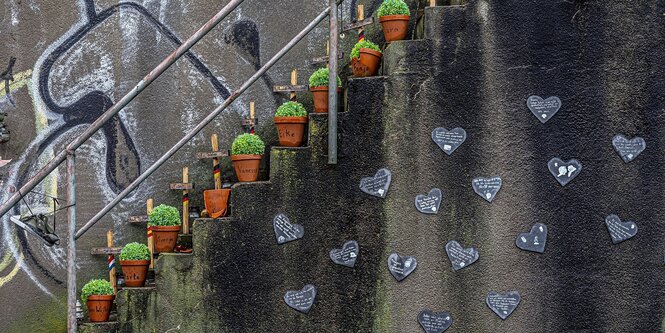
[204,122]
[106,116]
[332,86]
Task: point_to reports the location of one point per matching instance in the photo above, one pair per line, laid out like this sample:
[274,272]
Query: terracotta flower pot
[320,96]
[246,166]
[135,271]
[291,130]
[395,27]
[367,64]
[216,202]
[99,307]
[165,238]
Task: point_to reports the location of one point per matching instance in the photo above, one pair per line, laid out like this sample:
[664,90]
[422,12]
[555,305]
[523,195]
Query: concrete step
[107,327]
[407,57]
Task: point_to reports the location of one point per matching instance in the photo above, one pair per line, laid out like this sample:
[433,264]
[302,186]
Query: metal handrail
[212,116]
[69,155]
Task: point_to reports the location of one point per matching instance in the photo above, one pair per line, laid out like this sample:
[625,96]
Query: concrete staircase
[470,67]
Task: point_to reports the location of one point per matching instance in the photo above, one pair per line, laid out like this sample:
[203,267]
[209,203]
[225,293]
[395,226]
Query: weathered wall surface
[475,69]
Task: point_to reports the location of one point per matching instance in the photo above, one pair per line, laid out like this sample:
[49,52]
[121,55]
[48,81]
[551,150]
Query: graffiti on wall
[65,98]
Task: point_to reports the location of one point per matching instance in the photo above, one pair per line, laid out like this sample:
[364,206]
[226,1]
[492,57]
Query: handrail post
[71,242]
[332,86]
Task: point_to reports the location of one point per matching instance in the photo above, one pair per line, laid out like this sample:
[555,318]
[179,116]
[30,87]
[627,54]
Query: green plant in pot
[134,261]
[318,85]
[394,16]
[365,58]
[98,296]
[164,221]
[291,119]
[246,153]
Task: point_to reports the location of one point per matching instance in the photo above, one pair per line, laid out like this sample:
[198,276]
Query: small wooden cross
[185,186]
[293,88]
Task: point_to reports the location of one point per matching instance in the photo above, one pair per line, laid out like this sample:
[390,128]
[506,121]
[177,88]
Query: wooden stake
[185,202]
[151,242]
[216,171]
[432,3]
[251,117]
[361,16]
[294,81]
[328,52]
[112,277]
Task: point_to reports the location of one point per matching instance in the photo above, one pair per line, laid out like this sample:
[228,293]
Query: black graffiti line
[90,9]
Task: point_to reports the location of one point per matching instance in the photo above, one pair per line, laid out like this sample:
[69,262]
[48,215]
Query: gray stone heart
[378,184]
[564,172]
[620,231]
[459,256]
[543,109]
[434,322]
[447,140]
[400,267]
[347,255]
[285,231]
[430,203]
[487,187]
[533,241]
[301,300]
[628,150]
[503,304]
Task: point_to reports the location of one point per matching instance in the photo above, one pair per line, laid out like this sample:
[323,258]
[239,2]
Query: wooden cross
[250,123]
[109,251]
[360,23]
[321,60]
[432,3]
[185,186]
[293,88]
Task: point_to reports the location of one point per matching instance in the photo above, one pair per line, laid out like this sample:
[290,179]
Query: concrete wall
[75,58]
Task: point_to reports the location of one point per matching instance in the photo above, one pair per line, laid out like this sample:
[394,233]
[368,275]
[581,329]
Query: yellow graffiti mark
[13,273]
[20,80]
[6,260]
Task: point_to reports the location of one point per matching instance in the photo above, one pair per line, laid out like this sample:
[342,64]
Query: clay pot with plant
[98,296]
[134,261]
[246,153]
[394,16]
[318,85]
[291,119]
[365,59]
[165,223]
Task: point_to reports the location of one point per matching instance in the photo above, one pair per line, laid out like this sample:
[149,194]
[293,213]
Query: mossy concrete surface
[475,69]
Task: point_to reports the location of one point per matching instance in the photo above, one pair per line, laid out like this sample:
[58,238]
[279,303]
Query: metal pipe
[332,86]
[203,123]
[71,243]
[106,116]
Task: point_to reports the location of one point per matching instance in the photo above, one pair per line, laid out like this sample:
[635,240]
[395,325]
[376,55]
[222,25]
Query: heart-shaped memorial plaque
[434,322]
[377,185]
[543,109]
[459,256]
[487,187]
[447,140]
[301,300]
[628,149]
[285,231]
[429,204]
[347,255]
[533,241]
[564,172]
[400,267]
[503,304]
[620,231]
